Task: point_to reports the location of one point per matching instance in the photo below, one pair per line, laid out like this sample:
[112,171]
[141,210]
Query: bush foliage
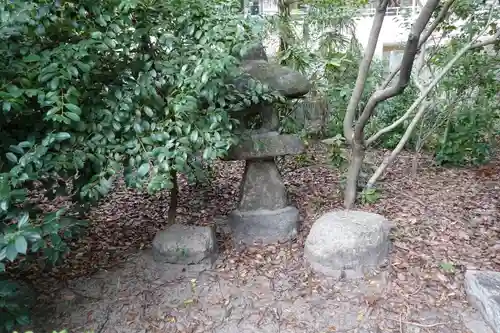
[91,89]
[461,125]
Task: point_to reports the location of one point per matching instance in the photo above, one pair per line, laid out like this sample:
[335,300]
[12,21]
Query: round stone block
[350,244]
[183,244]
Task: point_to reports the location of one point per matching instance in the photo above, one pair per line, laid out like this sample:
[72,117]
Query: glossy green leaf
[23,220]
[143,170]
[61,136]
[73,108]
[72,116]
[4,187]
[21,244]
[6,106]
[11,157]
[194,136]
[32,58]
[11,252]
[16,149]
[3,253]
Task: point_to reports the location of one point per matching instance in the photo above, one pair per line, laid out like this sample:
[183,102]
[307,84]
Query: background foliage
[461,126]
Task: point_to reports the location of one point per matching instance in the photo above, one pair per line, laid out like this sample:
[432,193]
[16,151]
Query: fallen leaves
[441,216]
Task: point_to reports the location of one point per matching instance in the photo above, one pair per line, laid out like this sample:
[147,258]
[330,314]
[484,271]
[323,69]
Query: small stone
[483,292]
[351,244]
[182,244]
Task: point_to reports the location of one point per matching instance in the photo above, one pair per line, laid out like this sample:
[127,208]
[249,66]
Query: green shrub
[92,89]
[468,136]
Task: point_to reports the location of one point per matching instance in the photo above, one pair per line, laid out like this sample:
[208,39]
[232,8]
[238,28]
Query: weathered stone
[269,118]
[256,52]
[284,80]
[483,291]
[181,244]
[262,187]
[311,114]
[474,321]
[263,213]
[348,243]
[266,145]
[266,226]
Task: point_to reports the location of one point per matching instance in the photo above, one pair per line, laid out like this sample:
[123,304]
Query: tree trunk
[423,38]
[355,164]
[284,14]
[363,70]
[356,141]
[306,34]
[174,197]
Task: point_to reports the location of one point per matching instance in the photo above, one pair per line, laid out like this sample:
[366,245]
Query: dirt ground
[446,221]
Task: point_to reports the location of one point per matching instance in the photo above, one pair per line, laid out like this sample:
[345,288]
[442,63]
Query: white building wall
[393,31]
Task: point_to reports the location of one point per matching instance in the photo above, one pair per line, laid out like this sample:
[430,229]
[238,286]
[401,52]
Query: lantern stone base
[264,226]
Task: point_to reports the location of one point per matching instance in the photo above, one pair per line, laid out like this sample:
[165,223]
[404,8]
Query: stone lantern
[264,213]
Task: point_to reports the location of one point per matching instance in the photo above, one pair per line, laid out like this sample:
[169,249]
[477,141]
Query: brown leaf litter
[446,220]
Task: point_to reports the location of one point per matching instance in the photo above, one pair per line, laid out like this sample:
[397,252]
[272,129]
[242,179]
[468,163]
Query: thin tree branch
[419,65]
[441,16]
[406,67]
[488,41]
[471,45]
[388,160]
[364,68]
[449,112]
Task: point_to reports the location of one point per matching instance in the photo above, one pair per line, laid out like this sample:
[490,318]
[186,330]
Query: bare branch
[418,68]
[406,67]
[423,107]
[471,45]
[388,160]
[423,39]
[363,69]
[448,113]
[488,41]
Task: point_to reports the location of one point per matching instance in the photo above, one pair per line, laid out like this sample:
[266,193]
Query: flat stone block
[483,292]
[266,226]
[182,244]
[351,244]
[266,145]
